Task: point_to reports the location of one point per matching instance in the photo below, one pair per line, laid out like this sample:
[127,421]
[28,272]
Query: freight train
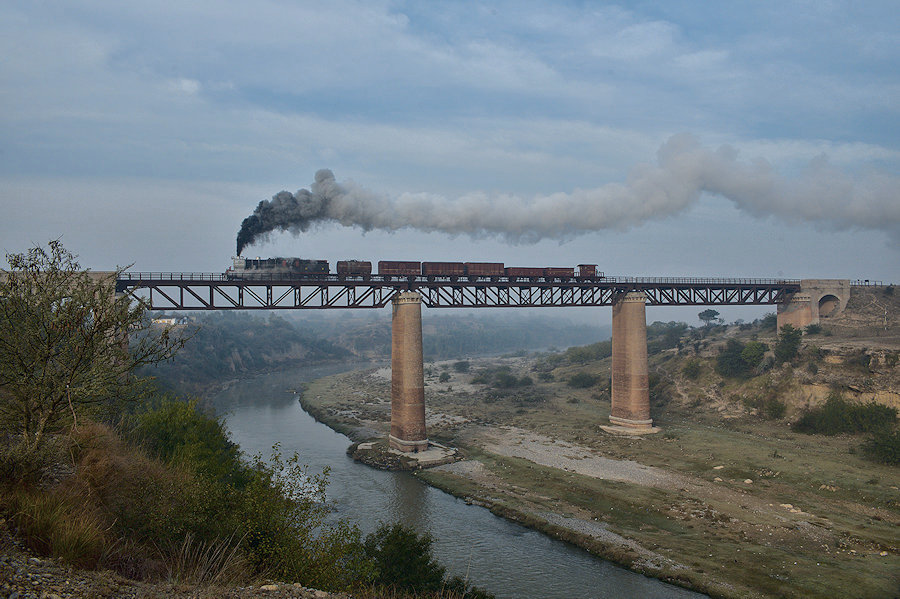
[270,268]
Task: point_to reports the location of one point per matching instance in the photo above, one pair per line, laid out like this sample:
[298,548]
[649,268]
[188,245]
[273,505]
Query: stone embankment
[25,576]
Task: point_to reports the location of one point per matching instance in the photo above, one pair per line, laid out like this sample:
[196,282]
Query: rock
[269,587]
[787,506]
[748,481]
[718,467]
[320,594]
[717,479]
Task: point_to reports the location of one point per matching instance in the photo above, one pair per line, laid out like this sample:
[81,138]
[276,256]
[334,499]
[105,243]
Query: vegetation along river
[500,556]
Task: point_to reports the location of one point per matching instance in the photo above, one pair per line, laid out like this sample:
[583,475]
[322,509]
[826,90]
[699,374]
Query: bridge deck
[217,291]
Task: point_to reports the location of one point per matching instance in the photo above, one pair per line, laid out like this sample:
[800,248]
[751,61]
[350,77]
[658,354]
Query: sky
[738,139]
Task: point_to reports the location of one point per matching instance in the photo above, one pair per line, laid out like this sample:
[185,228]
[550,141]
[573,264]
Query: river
[504,558]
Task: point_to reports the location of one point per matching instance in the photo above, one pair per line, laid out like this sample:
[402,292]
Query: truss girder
[182,292]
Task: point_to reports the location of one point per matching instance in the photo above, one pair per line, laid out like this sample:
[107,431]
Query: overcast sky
[145,133]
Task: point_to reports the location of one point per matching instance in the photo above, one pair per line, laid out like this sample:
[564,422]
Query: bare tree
[64,343]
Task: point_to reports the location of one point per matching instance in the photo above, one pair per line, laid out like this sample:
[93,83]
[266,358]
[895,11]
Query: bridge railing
[701,281]
[265,277]
[172,276]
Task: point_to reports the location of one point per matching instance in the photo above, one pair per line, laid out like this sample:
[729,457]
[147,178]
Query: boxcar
[552,272]
[485,269]
[523,272]
[391,268]
[354,268]
[443,269]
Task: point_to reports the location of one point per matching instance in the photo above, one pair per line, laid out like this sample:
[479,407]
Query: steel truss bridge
[216,291]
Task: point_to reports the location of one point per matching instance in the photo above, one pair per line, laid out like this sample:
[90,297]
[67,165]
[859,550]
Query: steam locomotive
[268,268]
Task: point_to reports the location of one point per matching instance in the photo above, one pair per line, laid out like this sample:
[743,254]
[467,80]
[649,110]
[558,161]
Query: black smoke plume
[684,170]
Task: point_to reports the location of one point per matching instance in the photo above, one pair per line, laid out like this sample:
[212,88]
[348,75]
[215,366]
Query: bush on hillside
[837,415]
[788,344]
[582,380]
[883,446]
[737,360]
[691,369]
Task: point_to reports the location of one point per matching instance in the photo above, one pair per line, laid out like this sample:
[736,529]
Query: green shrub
[691,369]
[179,433]
[813,329]
[505,380]
[445,376]
[404,562]
[582,380]
[737,360]
[403,559]
[883,446]
[588,353]
[837,416]
[774,408]
[461,366]
[788,344]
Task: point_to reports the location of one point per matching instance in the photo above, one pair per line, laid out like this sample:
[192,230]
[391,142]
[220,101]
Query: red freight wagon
[484,269]
[518,271]
[443,269]
[354,268]
[587,270]
[399,269]
[559,273]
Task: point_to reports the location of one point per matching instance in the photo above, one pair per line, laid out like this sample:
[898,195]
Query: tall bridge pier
[630,378]
[407,374]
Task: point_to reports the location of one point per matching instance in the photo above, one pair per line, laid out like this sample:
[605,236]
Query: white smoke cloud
[821,194]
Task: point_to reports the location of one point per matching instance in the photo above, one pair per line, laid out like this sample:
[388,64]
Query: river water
[504,558]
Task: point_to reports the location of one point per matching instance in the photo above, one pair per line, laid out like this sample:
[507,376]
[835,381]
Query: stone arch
[829,305]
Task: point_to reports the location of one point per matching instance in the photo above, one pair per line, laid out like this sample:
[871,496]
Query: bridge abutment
[630,379]
[407,374]
[817,299]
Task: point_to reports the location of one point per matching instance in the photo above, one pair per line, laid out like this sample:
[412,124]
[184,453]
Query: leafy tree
[730,362]
[769,321]
[788,343]
[753,354]
[708,316]
[461,366]
[64,348]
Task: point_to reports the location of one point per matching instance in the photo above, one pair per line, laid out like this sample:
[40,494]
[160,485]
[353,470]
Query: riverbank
[734,509]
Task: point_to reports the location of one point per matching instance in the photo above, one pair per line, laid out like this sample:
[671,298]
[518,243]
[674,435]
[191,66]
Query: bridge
[216,291]
[799,303]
